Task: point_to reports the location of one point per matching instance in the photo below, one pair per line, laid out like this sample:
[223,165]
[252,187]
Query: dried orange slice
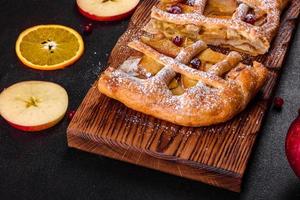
[49,47]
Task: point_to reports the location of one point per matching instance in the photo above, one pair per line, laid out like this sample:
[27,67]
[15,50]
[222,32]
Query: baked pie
[187,84]
[244,25]
[173,75]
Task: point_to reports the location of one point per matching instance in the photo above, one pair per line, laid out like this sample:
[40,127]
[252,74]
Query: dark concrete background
[40,166]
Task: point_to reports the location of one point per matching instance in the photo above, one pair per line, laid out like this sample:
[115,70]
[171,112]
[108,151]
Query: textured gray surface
[42,167]
[269,172]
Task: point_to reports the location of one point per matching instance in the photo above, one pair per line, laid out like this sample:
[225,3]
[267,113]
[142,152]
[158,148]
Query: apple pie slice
[244,25]
[190,85]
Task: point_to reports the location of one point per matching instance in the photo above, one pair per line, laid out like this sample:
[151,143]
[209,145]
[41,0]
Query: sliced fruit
[187,82]
[211,56]
[221,8]
[174,84]
[106,10]
[178,91]
[150,65]
[164,46]
[49,47]
[206,67]
[33,105]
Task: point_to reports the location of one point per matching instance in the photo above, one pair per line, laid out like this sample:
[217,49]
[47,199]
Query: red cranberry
[178,41]
[196,63]
[88,29]
[175,9]
[190,2]
[71,114]
[278,102]
[250,19]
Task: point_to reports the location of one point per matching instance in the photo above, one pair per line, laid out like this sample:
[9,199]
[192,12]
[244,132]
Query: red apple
[106,10]
[292,145]
[33,105]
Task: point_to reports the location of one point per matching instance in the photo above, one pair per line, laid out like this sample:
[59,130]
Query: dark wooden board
[217,155]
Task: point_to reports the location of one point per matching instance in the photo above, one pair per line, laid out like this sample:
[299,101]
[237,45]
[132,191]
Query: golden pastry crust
[232,32]
[220,93]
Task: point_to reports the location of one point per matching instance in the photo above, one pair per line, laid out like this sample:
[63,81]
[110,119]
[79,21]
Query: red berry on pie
[178,41]
[196,63]
[250,19]
[175,9]
[190,2]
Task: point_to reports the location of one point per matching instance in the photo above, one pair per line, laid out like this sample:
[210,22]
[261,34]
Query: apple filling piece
[220,8]
[213,35]
[240,25]
[145,67]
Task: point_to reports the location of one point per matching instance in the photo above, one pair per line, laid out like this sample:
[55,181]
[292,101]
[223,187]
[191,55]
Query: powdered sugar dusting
[151,94]
[201,97]
[256,35]
[130,66]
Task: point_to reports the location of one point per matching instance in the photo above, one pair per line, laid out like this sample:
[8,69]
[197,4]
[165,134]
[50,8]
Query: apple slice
[33,105]
[106,10]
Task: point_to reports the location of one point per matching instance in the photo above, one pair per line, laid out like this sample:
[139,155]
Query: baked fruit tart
[244,25]
[183,81]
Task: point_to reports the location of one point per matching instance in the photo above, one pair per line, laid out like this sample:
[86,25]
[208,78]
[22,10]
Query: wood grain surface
[217,155]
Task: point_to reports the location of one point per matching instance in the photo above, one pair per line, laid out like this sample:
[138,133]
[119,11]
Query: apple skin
[49,109]
[110,18]
[34,128]
[292,145]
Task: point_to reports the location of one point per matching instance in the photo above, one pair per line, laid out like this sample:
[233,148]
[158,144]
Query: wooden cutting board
[217,155]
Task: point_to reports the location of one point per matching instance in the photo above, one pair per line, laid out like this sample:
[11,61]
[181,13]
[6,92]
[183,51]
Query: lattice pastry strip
[231,32]
[221,92]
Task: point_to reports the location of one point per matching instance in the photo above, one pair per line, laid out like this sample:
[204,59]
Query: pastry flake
[162,82]
[245,25]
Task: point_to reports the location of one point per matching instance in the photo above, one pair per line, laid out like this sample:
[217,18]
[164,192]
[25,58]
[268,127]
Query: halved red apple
[107,10]
[33,105]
